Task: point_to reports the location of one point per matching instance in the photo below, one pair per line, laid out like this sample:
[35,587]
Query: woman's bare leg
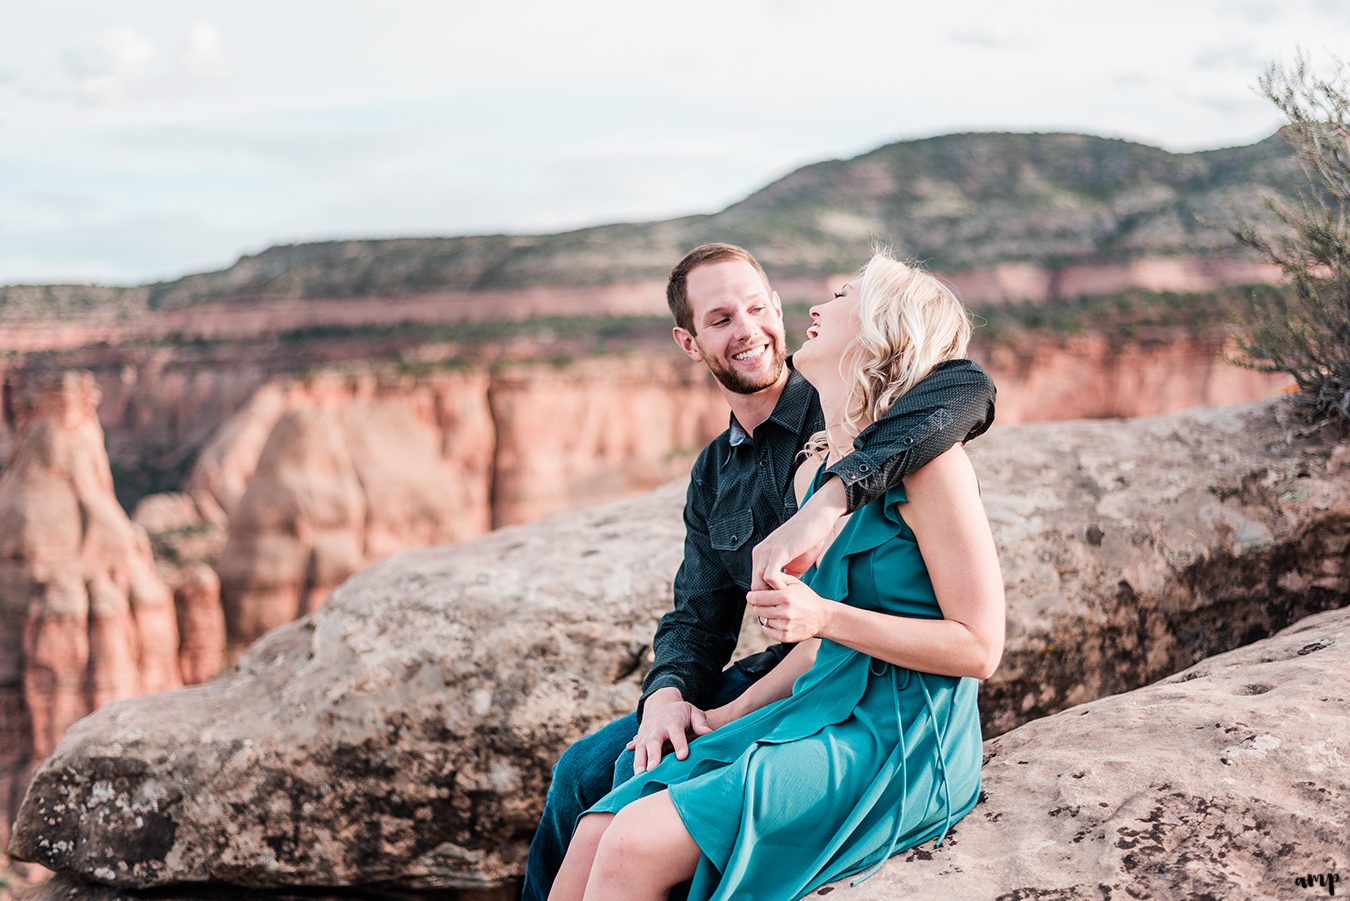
[570,883]
[643,854]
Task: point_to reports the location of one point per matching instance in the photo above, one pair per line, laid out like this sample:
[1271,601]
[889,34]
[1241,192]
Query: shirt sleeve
[954,403]
[696,639]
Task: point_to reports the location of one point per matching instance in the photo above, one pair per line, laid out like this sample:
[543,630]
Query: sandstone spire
[83,618]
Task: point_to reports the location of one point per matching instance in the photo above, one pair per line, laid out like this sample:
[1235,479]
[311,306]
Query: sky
[145,139]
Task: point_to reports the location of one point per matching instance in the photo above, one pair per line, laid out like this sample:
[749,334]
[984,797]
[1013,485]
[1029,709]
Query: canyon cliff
[402,734]
[197,420]
[297,481]
[83,618]
[352,469]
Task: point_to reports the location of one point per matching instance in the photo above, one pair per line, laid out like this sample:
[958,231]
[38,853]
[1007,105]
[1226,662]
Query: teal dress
[863,760]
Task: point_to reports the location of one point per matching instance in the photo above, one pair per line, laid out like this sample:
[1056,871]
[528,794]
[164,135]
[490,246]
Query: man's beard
[741,384]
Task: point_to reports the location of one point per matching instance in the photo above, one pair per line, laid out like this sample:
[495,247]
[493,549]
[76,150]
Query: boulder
[402,735]
[1132,549]
[1226,780]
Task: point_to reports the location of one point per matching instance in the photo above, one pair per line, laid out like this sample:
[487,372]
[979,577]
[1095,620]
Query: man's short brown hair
[677,292]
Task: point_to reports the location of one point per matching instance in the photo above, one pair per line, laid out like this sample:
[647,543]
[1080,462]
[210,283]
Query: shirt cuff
[666,681]
[857,471]
[854,468]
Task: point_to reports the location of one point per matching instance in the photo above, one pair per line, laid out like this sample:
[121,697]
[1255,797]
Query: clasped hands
[788,611]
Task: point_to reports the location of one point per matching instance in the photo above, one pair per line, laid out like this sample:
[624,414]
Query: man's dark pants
[583,775]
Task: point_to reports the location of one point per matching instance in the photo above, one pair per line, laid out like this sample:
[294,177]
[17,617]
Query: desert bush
[1305,331]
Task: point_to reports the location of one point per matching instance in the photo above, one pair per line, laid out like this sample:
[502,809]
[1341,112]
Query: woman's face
[834,324]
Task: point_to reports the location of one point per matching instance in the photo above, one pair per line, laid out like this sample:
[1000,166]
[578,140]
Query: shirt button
[863,467]
[763,463]
[909,440]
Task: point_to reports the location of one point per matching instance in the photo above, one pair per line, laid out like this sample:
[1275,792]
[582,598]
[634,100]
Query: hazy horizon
[147,140]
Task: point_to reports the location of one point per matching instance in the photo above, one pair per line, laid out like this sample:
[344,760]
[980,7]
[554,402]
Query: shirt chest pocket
[730,537]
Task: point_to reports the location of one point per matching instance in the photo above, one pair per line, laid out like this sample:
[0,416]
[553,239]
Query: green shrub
[1305,331]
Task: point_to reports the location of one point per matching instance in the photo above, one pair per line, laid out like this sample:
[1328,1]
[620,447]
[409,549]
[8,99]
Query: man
[729,318]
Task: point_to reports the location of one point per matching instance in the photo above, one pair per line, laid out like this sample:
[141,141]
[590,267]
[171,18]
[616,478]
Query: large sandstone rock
[403,733]
[83,618]
[1227,780]
[596,431]
[1133,549]
[1098,376]
[337,750]
[355,468]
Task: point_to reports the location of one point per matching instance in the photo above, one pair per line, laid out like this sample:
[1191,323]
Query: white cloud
[205,50]
[106,70]
[992,36]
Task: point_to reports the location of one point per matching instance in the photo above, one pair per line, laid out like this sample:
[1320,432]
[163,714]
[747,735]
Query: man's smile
[751,354]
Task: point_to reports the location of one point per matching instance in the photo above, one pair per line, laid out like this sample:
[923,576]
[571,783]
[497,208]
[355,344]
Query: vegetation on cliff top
[1305,331]
[955,201]
[421,347]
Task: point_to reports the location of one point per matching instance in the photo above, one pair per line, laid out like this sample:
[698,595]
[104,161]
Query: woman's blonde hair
[908,323]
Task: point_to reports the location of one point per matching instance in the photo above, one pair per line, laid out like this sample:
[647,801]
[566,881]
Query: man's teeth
[749,354]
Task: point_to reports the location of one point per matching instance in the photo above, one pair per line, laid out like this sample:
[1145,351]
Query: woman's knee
[641,845]
[590,830]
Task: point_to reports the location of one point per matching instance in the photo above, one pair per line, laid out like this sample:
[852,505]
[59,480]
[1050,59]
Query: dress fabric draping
[863,760]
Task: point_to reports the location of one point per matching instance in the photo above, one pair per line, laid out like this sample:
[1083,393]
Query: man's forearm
[954,403]
[688,659]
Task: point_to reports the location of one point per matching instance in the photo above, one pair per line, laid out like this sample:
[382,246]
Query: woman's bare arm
[948,519]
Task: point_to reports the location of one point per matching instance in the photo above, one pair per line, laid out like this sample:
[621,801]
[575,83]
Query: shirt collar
[789,413]
[738,435]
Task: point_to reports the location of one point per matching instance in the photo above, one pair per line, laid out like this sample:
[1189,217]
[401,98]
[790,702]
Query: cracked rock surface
[1227,780]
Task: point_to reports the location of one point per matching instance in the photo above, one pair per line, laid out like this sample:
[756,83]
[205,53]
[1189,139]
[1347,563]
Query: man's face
[738,326]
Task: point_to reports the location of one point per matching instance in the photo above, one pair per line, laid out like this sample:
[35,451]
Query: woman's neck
[834,404]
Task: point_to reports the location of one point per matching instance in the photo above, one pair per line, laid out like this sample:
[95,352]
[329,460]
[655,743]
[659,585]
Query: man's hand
[789,610]
[666,717]
[798,543]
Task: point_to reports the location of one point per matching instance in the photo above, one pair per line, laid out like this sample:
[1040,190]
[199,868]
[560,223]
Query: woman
[865,740]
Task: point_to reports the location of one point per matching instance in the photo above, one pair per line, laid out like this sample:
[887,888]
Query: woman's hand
[798,543]
[788,610]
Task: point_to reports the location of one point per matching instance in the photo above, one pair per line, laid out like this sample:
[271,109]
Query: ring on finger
[763,621]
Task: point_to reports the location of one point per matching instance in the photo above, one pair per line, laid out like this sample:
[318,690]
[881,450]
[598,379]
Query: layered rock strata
[196,419]
[403,734]
[1098,376]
